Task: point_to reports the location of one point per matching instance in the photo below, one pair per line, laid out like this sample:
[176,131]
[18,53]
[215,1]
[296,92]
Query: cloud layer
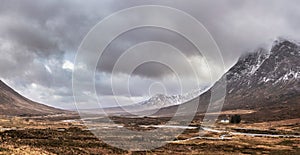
[39,39]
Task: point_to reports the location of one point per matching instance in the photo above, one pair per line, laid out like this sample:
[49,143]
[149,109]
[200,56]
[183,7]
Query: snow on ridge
[160,100]
[262,57]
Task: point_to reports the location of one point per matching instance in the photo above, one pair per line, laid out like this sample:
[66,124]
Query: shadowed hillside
[12,103]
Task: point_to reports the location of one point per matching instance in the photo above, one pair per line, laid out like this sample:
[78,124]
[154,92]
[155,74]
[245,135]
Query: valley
[55,135]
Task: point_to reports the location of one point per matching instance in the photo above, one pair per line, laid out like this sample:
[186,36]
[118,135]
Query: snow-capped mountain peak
[161,100]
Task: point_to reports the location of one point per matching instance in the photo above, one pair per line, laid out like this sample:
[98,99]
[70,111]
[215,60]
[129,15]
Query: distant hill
[14,104]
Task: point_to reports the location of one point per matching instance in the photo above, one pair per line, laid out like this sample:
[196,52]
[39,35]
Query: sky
[39,42]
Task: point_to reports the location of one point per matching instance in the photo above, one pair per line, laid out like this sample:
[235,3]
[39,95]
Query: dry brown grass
[42,137]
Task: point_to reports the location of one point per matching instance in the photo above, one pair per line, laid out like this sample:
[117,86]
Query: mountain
[265,78]
[266,81]
[13,104]
[152,104]
[160,100]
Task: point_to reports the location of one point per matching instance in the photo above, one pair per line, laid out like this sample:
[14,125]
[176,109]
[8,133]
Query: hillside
[12,103]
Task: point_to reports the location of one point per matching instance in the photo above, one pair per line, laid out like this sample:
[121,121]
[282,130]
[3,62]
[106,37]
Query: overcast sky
[39,41]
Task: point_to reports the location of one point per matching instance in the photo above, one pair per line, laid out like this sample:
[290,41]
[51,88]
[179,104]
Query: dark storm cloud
[43,27]
[38,37]
[240,26]
[35,37]
[136,36]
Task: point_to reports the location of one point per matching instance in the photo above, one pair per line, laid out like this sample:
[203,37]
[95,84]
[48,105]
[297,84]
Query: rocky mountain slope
[265,78]
[266,81]
[12,103]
